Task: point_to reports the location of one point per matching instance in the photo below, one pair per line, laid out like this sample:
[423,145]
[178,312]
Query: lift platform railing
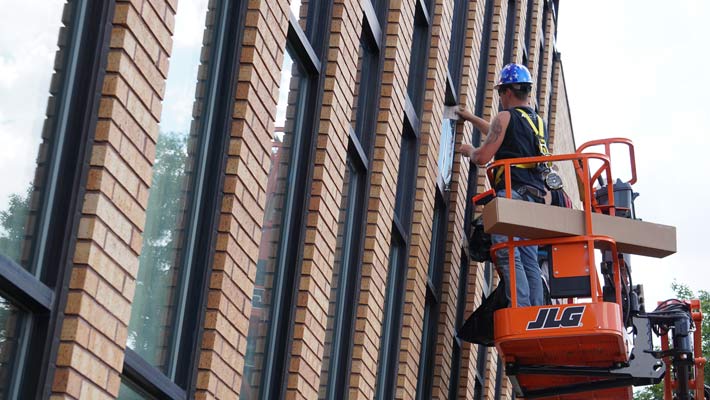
[581,161]
[607,144]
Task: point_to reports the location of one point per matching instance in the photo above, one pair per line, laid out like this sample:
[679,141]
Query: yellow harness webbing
[542,145]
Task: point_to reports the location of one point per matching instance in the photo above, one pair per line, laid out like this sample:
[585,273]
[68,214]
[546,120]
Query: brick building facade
[258,199]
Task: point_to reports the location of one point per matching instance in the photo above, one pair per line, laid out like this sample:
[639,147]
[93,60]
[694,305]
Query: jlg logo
[547,318]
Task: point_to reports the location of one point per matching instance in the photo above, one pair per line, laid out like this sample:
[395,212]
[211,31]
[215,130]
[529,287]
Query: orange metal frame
[603,320]
[698,381]
[581,160]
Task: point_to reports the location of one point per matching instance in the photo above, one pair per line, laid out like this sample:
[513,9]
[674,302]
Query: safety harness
[542,145]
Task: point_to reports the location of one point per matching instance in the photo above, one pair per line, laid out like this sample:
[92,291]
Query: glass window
[446,150]
[28,44]
[158,306]
[279,197]
[367,91]
[128,391]
[336,321]
[10,324]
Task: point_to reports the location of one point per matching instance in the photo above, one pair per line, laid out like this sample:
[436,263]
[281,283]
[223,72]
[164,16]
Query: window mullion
[411,116]
[355,149]
[22,286]
[422,8]
[371,24]
[302,46]
[398,228]
[151,379]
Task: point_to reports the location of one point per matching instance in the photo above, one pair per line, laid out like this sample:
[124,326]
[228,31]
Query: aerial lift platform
[595,340]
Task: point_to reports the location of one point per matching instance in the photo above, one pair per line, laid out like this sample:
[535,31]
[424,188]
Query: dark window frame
[309,49]
[511,16]
[402,220]
[441,210]
[472,188]
[42,293]
[437,257]
[359,153]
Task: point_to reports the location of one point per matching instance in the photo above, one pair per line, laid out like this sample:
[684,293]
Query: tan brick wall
[94,331]
[561,133]
[324,206]
[231,283]
[105,261]
[385,165]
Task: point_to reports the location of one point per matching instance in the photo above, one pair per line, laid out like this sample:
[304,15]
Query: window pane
[154,329]
[28,45]
[337,307]
[128,391]
[9,336]
[366,91]
[446,150]
[276,214]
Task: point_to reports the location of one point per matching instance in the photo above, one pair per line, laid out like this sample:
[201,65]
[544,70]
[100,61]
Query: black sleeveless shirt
[520,141]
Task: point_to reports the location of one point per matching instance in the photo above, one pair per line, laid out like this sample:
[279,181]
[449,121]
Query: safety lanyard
[542,145]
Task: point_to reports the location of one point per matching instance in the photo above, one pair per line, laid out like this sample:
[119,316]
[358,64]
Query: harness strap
[542,145]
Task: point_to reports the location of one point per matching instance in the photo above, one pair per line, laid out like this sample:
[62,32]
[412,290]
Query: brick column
[94,330]
[312,303]
[422,219]
[231,286]
[385,165]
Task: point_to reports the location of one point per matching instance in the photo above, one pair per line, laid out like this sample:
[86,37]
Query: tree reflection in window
[150,327]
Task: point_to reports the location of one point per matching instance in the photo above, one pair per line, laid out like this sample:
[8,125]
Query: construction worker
[515,132]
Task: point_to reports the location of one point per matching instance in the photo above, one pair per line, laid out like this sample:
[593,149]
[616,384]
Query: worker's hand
[464,113]
[467,150]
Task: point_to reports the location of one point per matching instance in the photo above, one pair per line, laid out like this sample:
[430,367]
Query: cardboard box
[538,221]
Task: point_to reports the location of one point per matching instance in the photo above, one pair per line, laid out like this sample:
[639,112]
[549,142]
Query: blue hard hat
[514,73]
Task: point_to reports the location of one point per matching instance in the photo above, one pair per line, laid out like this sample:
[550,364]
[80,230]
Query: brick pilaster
[105,262]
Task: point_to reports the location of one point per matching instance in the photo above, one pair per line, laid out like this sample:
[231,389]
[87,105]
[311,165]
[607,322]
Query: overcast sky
[26,59]
[636,69]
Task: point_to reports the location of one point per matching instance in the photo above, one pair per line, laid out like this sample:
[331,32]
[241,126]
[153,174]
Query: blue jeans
[528,278]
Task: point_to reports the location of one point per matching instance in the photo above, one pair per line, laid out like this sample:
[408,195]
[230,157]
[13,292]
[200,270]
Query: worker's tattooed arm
[496,133]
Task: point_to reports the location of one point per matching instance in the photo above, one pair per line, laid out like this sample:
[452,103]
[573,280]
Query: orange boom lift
[594,341]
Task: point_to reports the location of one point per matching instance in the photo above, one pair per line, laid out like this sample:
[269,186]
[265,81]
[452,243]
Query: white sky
[635,69]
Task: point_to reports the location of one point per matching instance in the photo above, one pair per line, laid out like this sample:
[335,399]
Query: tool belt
[537,194]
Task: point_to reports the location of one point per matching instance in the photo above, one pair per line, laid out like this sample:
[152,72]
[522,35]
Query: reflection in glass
[278,192]
[299,8]
[154,329]
[346,229]
[28,47]
[128,391]
[9,336]
[446,149]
